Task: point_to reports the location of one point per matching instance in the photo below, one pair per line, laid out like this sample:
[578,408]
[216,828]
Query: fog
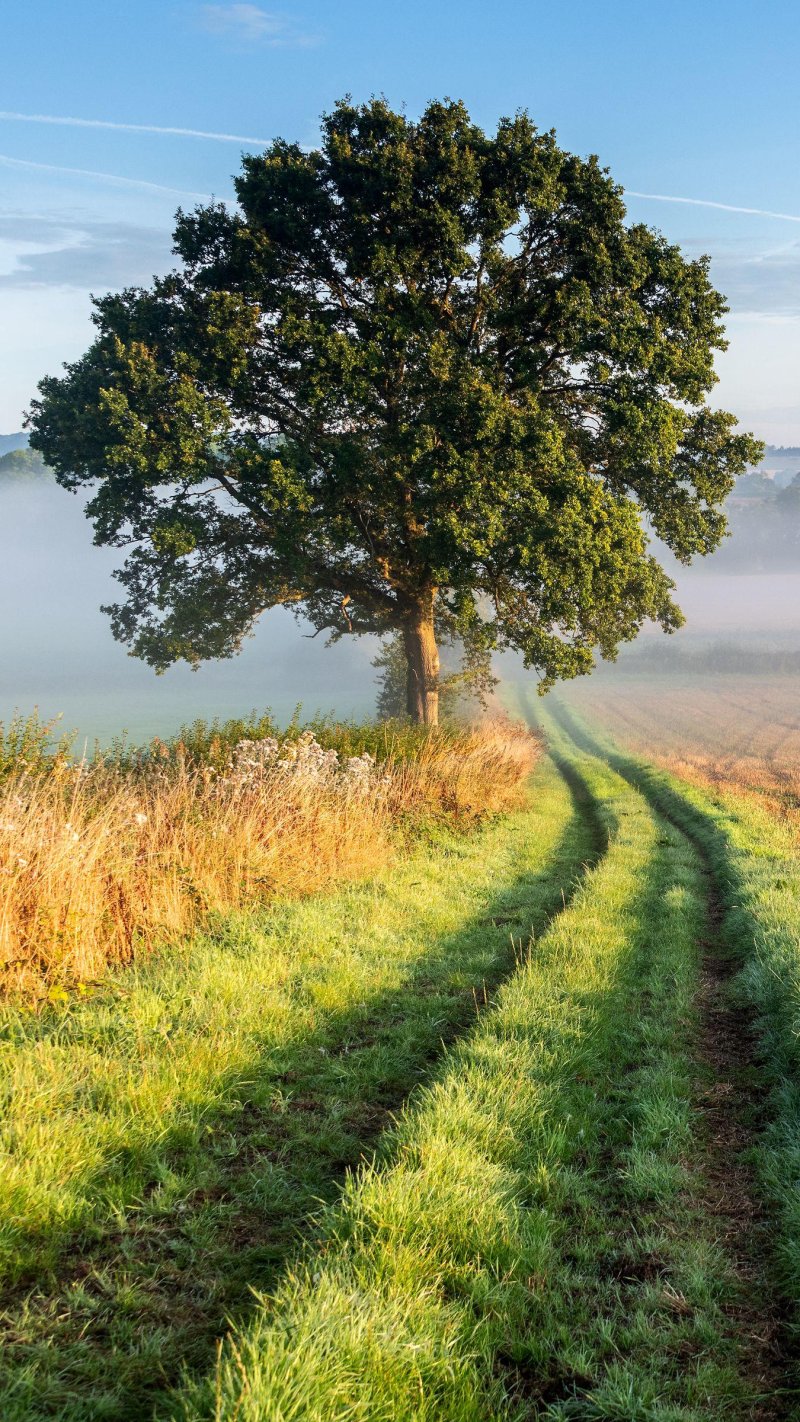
[753,607]
[57,652]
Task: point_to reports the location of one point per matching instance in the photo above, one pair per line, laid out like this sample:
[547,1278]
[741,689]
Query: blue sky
[685,100]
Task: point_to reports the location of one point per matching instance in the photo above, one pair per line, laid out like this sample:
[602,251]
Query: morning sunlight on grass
[400,713]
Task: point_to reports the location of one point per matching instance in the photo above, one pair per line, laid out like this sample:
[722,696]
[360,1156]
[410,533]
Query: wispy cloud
[69,122]
[249,24]
[763,284]
[721,206]
[86,255]
[143,183]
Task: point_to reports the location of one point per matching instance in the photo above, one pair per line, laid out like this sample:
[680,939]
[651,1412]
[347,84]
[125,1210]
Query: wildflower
[140,818]
[23,863]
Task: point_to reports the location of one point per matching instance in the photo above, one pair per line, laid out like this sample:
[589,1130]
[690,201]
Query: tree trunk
[422,657]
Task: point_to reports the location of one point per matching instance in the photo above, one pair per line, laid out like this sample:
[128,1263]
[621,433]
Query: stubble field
[737,731]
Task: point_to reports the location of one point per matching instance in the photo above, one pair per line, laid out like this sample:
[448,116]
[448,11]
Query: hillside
[13,441]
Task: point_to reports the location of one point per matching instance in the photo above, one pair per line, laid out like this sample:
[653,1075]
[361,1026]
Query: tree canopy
[418,377]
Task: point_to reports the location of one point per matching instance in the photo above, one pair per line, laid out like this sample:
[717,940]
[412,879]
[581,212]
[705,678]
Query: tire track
[49,1312]
[729,1098]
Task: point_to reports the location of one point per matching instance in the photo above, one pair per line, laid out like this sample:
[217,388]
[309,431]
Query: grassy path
[531,1241]
[729,1102]
[581,1212]
[167,1142]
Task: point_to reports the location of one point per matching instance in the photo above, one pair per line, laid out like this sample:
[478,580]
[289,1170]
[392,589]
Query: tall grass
[101,858]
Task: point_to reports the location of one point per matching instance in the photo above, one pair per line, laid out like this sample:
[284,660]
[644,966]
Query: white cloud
[762,283]
[50,325]
[86,255]
[758,375]
[69,122]
[249,24]
[757,276]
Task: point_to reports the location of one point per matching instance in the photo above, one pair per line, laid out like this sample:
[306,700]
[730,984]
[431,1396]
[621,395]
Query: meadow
[104,856]
[496,1119]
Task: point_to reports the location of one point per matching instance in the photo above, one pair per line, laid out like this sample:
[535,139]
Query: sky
[114,116]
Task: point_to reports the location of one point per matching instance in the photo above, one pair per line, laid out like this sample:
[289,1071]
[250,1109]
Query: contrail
[722,206]
[103,177]
[132,127]
[263,142]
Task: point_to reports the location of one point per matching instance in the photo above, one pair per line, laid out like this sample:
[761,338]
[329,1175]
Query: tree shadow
[135,1301]
[611,1076]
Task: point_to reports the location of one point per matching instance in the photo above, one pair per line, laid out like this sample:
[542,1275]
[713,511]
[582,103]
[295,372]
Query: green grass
[28,743]
[756,863]
[528,1242]
[216,1135]
[168,1138]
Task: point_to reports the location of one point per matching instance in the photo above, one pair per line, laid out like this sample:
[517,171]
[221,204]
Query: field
[502,1125]
[732,730]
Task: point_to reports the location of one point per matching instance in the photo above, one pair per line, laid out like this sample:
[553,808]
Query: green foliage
[210,742]
[419,370]
[23,465]
[30,745]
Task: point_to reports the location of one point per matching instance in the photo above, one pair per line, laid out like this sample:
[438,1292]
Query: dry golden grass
[99,862]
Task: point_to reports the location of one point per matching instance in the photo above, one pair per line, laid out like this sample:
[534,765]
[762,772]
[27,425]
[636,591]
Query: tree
[21,464]
[467,680]
[418,372]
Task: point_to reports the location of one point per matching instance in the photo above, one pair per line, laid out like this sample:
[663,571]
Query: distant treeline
[715,658]
[765,526]
[22,464]
[13,441]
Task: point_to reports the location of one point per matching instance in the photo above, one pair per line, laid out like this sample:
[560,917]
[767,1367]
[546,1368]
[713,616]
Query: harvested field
[742,731]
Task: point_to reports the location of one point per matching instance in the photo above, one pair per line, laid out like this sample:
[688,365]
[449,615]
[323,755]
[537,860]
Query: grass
[529,1241]
[428,1146]
[169,1135]
[105,859]
[755,860]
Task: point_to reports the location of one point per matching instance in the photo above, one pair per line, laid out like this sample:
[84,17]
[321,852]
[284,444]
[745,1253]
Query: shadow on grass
[138,1299]
[575,1096]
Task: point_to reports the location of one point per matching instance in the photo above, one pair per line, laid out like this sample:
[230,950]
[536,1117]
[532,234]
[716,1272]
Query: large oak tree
[420,377]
